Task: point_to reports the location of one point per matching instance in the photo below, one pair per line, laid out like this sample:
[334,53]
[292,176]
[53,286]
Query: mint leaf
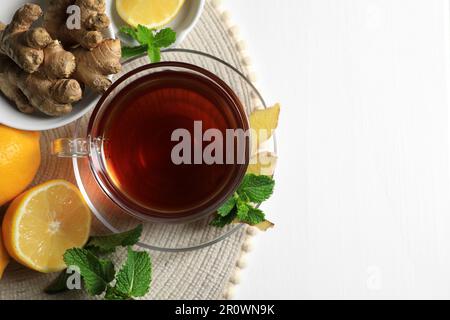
[59,284]
[165,38]
[129,31]
[220,221]
[113,294]
[144,35]
[254,216]
[226,208]
[151,41]
[107,244]
[128,52]
[242,209]
[133,280]
[154,54]
[97,273]
[256,189]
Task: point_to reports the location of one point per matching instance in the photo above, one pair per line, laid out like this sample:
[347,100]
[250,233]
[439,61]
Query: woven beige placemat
[210,273]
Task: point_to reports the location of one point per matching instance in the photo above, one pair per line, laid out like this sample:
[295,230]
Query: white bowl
[10,116]
[187,19]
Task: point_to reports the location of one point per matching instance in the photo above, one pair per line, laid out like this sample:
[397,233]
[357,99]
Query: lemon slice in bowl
[153,14]
[44,222]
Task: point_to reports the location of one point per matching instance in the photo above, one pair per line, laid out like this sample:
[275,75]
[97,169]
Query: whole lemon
[20,158]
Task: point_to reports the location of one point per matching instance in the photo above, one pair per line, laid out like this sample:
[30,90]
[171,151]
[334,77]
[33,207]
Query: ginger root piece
[263,163]
[93,67]
[263,124]
[58,63]
[93,21]
[23,44]
[10,89]
[265,225]
[53,97]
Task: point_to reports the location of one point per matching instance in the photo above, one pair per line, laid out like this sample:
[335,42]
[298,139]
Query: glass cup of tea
[168,142]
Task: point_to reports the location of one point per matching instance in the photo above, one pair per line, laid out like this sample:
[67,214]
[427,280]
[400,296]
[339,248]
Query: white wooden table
[363,197]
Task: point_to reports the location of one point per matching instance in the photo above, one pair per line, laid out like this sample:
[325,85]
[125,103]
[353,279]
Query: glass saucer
[160,236]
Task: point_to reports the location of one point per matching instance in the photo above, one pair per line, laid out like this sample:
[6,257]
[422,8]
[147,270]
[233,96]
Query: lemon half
[44,222]
[153,14]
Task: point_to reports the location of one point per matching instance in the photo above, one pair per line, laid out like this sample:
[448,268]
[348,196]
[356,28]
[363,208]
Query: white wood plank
[362,202]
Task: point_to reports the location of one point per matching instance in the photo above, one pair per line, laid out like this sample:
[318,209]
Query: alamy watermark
[73,278]
[74,20]
[231,147]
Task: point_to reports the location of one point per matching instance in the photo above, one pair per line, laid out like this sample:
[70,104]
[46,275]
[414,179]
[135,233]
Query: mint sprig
[241,207]
[109,243]
[133,280]
[98,274]
[150,41]
[256,189]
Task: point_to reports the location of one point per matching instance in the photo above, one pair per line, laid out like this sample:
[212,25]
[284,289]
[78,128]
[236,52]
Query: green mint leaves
[256,189]
[150,40]
[133,280]
[108,244]
[99,274]
[241,207]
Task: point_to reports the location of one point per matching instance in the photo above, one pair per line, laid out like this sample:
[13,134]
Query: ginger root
[37,73]
[46,89]
[96,58]
[58,63]
[23,44]
[10,89]
[93,67]
[53,97]
[93,21]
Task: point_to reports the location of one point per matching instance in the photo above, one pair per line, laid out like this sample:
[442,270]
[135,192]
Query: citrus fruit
[44,222]
[20,158]
[150,13]
[4,257]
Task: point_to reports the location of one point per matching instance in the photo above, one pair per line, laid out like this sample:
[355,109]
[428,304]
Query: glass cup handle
[71,148]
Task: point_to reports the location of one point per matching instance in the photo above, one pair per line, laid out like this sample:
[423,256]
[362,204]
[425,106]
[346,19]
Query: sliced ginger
[265,225]
[263,163]
[263,124]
